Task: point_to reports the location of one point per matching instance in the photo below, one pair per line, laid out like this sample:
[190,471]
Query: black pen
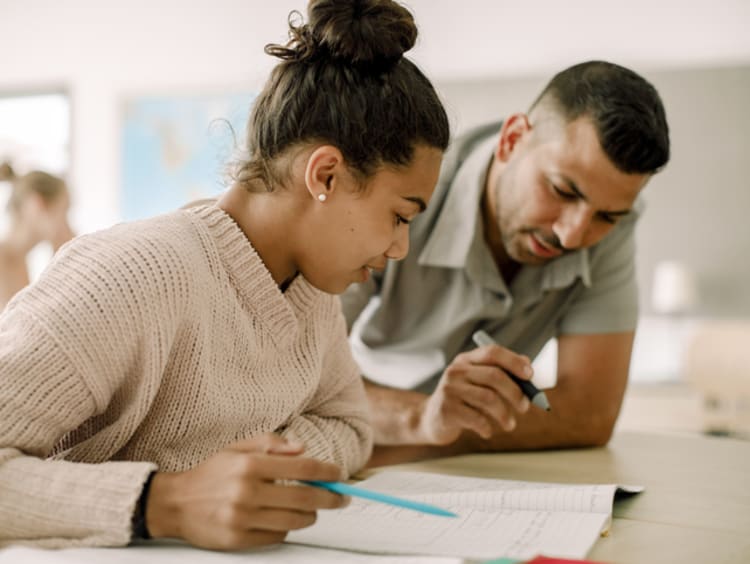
[537,397]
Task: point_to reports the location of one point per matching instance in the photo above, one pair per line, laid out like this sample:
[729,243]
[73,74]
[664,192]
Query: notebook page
[379,528]
[174,552]
[491,494]
[496,518]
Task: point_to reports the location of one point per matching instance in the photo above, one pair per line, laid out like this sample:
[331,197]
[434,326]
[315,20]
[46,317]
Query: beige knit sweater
[151,345]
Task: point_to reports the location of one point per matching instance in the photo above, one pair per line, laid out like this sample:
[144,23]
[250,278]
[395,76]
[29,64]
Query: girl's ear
[515,127]
[324,171]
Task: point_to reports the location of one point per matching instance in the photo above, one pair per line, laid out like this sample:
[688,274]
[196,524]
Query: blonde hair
[46,185]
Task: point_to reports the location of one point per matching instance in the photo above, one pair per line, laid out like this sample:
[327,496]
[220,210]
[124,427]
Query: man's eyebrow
[416,200]
[572,185]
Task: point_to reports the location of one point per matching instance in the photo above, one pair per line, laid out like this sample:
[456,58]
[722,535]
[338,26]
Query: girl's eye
[564,195]
[608,218]
[400,220]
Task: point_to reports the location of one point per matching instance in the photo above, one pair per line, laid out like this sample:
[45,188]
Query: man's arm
[591,377]
[396,414]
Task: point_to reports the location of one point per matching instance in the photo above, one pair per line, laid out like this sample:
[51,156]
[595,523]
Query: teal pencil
[346,489]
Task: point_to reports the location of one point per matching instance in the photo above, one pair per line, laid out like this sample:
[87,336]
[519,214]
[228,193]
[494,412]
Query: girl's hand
[234,499]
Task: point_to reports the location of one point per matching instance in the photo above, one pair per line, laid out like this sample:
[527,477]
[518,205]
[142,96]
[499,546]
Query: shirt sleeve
[335,425]
[65,345]
[609,304]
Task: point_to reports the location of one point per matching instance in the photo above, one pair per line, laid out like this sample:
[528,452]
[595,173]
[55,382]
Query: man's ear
[325,165]
[515,127]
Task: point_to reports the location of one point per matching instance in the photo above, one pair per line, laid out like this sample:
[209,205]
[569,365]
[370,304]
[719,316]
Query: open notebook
[497,518]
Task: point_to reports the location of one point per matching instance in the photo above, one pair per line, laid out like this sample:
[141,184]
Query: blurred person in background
[38,209]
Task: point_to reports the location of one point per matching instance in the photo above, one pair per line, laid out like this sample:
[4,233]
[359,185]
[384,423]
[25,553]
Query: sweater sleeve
[335,425]
[67,345]
[53,503]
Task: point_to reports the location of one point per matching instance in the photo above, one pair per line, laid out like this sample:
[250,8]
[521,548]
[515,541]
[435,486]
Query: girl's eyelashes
[564,195]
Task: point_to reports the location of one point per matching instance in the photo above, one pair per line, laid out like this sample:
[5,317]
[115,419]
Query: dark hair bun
[362,31]
[369,34]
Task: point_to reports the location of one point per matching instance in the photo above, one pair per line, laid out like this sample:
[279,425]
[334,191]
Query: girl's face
[356,230]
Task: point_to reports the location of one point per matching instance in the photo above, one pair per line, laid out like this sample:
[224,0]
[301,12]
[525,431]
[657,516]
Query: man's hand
[233,500]
[592,371]
[474,393]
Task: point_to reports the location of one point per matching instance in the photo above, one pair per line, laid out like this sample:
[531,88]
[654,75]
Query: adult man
[529,236]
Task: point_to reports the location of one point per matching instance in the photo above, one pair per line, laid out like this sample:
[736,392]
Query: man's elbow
[601,438]
[597,432]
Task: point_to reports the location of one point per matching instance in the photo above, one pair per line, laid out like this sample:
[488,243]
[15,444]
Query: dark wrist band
[140,530]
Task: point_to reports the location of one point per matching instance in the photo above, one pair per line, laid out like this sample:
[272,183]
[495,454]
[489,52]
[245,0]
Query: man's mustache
[551,240]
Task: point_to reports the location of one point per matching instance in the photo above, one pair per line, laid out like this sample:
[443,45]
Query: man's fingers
[495,379]
[475,420]
[495,355]
[487,404]
[477,393]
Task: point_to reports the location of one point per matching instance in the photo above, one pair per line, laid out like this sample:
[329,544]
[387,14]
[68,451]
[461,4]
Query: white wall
[102,51]
[481,38]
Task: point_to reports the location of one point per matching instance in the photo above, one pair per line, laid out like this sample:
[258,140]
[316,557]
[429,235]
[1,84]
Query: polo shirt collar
[562,272]
[451,239]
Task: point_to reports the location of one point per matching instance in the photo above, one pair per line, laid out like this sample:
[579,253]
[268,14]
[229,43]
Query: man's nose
[572,225]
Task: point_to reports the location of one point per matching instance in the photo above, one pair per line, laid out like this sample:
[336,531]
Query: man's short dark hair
[625,108]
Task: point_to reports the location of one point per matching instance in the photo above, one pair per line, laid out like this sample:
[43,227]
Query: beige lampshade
[674,288]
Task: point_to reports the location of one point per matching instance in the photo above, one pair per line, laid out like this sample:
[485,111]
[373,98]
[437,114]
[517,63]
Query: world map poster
[176,149]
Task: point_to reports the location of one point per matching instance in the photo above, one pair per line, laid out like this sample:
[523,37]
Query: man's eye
[608,218]
[400,220]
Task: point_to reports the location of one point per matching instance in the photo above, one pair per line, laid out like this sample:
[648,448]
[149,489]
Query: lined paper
[496,518]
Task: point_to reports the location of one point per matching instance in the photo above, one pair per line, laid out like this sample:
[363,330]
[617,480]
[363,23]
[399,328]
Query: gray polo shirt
[410,321]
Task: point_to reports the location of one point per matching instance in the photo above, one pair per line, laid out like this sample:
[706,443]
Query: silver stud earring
[322,197]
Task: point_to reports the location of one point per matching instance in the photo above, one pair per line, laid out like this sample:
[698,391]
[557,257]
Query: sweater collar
[258,291]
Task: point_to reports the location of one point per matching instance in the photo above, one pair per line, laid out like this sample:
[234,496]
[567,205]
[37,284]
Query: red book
[546,560]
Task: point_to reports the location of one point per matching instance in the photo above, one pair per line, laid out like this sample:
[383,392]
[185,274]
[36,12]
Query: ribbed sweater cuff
[70,504]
